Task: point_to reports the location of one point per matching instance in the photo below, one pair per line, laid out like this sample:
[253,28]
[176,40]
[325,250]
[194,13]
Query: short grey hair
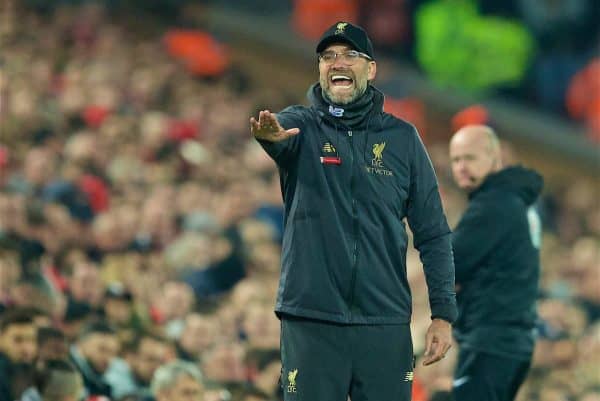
[59,379]
[167,375]
[494,142]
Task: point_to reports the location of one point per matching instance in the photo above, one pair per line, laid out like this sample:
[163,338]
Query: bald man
[496,254]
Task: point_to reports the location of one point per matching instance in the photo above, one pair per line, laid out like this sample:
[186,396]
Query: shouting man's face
[342,78]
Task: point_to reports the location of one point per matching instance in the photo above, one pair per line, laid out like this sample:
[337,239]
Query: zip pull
[349,133]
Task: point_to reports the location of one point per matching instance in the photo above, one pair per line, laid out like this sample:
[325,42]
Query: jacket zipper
[354,228]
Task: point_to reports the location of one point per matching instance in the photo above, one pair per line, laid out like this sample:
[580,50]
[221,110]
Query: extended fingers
[254,126]
[261,118]
[292,131]
[263,124]
[267,127]
[267,120]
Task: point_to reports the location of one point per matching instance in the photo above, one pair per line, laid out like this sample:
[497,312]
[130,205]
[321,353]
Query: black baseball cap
[345,32]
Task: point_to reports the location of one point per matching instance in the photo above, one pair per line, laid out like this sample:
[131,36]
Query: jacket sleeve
[5,393]
[432,236]
[284,152]
[480,229]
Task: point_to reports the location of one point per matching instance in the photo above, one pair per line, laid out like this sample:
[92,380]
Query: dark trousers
[323,361]
[485,377]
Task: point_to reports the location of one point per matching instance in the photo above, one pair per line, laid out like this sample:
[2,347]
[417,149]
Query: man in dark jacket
[496,254]
[95,349]
[18,350]
[350,175]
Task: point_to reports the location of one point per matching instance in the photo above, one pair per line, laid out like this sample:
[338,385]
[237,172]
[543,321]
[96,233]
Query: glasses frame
[344,55]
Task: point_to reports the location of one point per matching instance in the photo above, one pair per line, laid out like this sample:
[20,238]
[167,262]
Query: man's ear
[372,70]
[496,163]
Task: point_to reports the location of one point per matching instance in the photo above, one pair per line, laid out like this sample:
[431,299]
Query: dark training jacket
[496,254]
[346,191]
[5,378]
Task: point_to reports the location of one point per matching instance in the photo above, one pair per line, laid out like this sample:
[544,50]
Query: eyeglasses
[348,56]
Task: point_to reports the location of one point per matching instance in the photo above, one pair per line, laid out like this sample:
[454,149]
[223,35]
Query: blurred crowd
[140,230]
[549,50]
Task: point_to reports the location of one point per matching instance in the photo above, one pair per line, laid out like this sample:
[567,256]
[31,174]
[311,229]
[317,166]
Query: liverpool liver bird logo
[341,27]
[292,377]
[291,388]
[378,150]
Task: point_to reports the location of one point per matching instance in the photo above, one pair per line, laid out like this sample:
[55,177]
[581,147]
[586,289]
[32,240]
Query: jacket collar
[354,115]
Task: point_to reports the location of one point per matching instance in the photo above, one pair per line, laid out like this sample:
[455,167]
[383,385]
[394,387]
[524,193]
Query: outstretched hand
[438,341]
[268,128]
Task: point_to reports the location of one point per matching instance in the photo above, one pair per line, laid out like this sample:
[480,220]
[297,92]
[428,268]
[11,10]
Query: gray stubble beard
[358,92]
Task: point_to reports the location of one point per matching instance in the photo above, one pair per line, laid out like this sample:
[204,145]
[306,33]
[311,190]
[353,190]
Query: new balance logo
[409,376]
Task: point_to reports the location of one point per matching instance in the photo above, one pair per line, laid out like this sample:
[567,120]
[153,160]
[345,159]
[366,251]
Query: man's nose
[459,167]
[339,61]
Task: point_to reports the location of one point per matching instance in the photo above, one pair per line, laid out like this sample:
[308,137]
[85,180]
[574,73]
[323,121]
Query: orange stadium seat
[311,17]
[199,52]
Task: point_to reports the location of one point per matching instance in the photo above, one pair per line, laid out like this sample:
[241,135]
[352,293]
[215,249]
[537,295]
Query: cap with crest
[345,32]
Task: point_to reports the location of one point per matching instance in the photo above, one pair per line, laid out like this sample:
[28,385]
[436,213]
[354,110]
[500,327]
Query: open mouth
[341,80]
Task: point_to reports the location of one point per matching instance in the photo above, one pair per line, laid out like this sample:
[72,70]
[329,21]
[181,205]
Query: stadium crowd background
[132,195]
